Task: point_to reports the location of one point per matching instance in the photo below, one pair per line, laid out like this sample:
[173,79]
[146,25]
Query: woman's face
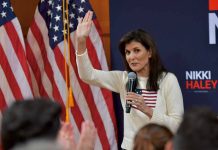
[137,57]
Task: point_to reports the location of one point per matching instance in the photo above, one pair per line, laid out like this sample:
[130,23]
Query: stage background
[181,31]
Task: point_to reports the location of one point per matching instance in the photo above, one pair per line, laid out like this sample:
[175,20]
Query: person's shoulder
[124,75]
[120,73]
[168,76]
[171,75]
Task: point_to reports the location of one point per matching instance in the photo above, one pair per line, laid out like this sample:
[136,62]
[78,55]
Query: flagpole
[67,119]
[70,92]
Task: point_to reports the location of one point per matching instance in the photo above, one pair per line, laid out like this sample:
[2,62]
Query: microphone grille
[131,75]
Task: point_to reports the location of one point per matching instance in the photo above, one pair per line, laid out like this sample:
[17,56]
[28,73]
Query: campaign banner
[186,34]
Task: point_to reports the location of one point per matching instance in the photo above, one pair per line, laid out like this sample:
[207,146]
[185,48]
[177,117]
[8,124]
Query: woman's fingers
[80,20]
[134,97]
[136,100]
[88,16]
[84,25]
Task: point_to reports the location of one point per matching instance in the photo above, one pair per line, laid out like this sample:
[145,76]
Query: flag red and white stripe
[15,81]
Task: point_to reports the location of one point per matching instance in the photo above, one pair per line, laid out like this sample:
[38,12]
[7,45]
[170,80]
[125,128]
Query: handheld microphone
[130,88]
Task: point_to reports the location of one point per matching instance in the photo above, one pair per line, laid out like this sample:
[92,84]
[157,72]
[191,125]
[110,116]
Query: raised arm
[82,32]
[111,80]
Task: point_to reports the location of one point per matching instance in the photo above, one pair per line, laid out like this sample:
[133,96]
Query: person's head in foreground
[198,130]
[152,137]
[30,119]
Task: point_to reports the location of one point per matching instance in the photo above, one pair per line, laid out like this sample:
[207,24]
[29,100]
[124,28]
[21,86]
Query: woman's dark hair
[155,65]
[30,119]
[152,136]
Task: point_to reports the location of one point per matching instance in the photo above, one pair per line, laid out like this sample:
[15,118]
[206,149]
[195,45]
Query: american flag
[45,54]
[15,81]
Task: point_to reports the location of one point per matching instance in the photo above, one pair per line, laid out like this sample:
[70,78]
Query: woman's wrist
[81,46]
[149,112]
[81,39]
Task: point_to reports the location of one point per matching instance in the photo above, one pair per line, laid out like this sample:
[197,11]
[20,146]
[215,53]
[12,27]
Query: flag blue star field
[6,12]
[45,48]
[15,81]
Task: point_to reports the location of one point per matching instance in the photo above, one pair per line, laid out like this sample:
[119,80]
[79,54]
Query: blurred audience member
[28,119]
[39,119]
[38,145]
[152,137]
[198,131]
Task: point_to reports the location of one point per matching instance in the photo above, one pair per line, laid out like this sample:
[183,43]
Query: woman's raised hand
[84,27]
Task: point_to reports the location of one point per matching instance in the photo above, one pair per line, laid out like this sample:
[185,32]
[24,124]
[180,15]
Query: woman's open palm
[84,26]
